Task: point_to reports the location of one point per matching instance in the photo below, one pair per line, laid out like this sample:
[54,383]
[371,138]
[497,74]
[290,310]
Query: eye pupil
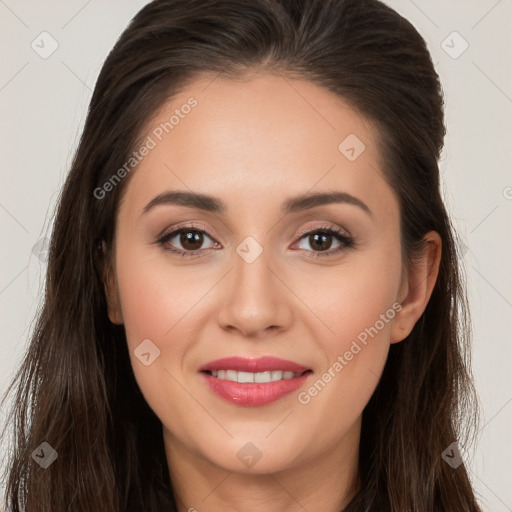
[191,237]
[318,245]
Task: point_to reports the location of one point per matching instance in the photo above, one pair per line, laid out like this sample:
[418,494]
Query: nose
[255,301]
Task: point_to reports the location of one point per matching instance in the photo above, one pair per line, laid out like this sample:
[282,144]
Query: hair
[75,388]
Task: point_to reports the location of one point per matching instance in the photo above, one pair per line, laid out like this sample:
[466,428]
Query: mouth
[253,382]
[256,377]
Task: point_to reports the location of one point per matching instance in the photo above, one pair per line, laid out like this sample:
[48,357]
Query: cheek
[357,306]
[163,304]
[157,296]
[351,298]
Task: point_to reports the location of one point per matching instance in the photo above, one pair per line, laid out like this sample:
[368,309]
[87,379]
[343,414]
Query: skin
[253,144]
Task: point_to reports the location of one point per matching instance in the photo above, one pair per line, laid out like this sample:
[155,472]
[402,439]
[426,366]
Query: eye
[190,238]
[321,240]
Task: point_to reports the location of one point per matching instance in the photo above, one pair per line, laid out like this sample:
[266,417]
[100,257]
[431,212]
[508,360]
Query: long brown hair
[76,390]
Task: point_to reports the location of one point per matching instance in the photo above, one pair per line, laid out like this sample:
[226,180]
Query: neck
[327,482]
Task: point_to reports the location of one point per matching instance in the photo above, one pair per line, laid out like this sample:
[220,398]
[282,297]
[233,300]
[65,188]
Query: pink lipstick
[253,382]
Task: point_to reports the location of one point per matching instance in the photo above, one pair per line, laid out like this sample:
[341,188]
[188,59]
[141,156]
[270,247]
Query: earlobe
[418,287]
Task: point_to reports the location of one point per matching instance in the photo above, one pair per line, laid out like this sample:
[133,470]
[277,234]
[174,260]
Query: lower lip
[252,395]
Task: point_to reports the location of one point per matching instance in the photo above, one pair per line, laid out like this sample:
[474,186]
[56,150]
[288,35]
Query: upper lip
[262,364]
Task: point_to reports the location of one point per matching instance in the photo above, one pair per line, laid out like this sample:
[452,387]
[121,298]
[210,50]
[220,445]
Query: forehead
[265,135]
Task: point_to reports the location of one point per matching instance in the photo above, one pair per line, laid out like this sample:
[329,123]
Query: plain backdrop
[43,102]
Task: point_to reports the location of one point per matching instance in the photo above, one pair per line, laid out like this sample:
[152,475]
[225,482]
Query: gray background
[43,102]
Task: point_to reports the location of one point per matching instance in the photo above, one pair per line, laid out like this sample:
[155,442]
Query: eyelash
[347,241]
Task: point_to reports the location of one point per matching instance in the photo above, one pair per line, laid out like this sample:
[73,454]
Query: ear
[417,287]
[112,292]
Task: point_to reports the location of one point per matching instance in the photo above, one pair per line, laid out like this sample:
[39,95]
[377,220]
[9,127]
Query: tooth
[262,377]
[245,377]
[249,377]
[276,375]
[232,375]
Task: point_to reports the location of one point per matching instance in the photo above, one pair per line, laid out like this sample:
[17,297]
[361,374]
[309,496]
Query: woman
[253,299]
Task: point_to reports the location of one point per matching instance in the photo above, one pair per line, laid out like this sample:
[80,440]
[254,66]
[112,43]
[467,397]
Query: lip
[261,364]
[253,394]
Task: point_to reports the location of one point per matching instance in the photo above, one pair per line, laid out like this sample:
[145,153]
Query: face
[317,284]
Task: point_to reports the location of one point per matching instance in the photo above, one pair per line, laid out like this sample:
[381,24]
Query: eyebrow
[291,205]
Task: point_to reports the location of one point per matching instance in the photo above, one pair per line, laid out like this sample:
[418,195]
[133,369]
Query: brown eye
[321,240]
[185,241]
[191,240]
